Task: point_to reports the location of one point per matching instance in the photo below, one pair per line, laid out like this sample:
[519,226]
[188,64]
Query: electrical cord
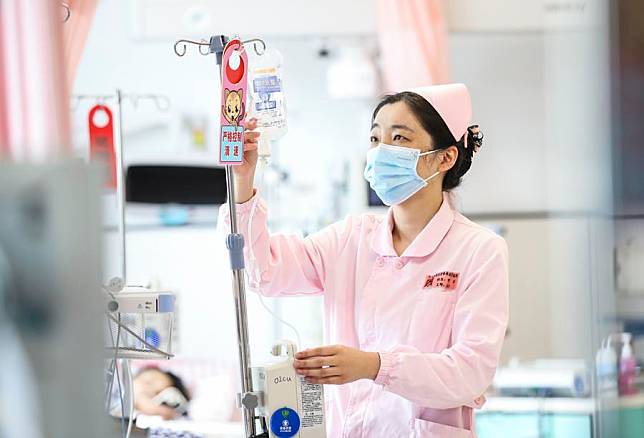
[118,382]
[5,277]
[110,377]
[113,364]
[130,390]
[118,377]
[109,292]
[255,282]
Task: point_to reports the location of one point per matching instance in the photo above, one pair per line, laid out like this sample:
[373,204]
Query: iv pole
[118,283]
[247,399]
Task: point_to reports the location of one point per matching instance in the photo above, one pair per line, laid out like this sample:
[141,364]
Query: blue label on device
[285,423]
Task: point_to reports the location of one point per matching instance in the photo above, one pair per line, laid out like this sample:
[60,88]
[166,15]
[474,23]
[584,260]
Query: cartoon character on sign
[234,108]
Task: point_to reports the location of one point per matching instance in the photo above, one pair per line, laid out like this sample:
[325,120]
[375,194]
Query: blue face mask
[391,172]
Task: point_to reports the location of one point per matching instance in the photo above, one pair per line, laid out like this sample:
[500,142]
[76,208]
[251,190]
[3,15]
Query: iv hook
[68,12]
[255,41]
[182,51]
[180,47]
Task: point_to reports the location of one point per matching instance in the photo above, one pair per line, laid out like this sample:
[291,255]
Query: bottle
[627,367]
[606,366]
[268,105]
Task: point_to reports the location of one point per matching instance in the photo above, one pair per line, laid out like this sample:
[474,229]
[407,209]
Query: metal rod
[248,415]
[230,186]
[239,291]
[120,187]
[161,101]
[121,202]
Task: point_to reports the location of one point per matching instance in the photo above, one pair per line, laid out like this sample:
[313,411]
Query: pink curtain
[36,72]
[75,33]
[413,43]
[34,99]
[4,140]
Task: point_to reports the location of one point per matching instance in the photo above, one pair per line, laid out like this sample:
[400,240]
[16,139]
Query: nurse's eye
[373,139]
[399,137]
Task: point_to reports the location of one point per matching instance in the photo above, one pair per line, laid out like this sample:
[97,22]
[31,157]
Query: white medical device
[291,406]
[141,300]
[145,319]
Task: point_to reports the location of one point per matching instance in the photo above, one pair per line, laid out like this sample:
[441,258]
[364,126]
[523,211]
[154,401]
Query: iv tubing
[252,260]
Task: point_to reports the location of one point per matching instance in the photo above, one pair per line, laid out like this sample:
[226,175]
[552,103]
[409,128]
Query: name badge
[446,280]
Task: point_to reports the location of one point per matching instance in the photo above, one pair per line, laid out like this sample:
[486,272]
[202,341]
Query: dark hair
[436,127]
[175,380]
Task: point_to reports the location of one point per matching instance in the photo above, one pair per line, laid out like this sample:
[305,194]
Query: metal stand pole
[120,186]
[235,244]
[247,399]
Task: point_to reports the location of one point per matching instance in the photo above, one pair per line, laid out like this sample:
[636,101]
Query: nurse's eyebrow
[401,127]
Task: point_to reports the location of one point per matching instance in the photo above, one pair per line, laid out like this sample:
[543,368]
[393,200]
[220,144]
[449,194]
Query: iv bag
[267,98]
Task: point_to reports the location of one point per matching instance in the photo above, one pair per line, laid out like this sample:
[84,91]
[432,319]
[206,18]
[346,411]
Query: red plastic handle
[101,143]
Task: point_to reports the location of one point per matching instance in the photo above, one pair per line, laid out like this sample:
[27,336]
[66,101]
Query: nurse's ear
[447,158]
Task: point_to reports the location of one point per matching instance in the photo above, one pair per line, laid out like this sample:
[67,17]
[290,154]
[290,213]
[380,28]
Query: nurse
[416,302]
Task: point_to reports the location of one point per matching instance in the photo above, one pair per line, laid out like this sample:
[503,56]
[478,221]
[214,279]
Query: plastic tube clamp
[235,245]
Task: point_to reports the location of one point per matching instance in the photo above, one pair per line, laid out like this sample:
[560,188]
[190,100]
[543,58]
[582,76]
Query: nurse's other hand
[245,172]
[336,364]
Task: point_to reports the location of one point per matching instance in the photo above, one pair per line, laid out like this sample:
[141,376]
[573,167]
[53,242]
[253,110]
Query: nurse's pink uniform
[437,315]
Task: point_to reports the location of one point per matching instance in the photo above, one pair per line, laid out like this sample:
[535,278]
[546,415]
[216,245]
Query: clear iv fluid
[267,99]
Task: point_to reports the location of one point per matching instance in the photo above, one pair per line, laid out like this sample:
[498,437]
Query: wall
[496,67]
[163,18]
[529,285]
